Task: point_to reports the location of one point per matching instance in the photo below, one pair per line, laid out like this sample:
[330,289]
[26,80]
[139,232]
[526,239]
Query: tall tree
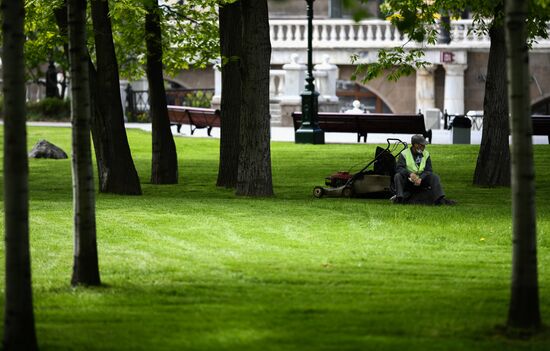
[524,311]
[19,331]
[493,161]
[117,173]
[231,50]
[254,174]
[85,266]
[164,161]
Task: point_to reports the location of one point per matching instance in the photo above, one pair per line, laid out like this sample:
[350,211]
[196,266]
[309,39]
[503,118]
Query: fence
[137,101]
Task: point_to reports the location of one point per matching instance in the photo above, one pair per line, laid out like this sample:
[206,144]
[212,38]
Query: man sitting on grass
[414,173]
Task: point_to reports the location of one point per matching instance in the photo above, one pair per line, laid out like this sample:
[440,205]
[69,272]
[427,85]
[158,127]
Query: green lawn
[192,267]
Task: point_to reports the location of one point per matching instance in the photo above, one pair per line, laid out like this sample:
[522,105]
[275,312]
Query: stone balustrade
[369,34]
[334,33]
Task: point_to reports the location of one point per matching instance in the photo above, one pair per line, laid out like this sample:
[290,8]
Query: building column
[425,88]
[454,88]
[217,98]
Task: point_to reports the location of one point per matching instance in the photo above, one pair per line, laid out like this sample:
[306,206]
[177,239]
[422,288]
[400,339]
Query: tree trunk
[493,161]
[524,309]
[85,267]
[117,173]
[231,49]
[254,175]
[164,161]
[19,331]
[52,91]
[110,141]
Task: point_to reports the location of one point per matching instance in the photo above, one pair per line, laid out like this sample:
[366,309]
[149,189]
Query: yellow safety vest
[412,167]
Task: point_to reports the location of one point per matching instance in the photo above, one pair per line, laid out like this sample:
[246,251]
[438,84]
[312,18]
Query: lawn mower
[366,182]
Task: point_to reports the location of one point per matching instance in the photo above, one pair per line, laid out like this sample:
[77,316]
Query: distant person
[356,107]
[414,173]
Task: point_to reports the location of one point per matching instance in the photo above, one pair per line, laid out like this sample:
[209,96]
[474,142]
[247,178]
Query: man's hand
[415,179]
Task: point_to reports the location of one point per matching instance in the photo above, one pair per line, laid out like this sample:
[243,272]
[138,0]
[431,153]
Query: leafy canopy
[190,34]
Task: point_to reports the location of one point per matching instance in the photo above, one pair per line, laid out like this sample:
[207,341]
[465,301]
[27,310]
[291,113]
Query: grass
[192,267]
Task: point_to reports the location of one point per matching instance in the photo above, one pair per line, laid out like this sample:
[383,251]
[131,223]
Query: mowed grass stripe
[191,266]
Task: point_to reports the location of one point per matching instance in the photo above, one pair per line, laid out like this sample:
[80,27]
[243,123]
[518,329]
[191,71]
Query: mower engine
[338,179]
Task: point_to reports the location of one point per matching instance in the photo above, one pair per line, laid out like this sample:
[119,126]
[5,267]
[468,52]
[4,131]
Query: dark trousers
[403,186]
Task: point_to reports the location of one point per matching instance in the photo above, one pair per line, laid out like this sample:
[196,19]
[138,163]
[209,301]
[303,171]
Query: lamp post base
[310,135]
[309,131]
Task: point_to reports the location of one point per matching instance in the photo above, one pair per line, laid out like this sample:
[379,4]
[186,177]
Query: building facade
[454,82]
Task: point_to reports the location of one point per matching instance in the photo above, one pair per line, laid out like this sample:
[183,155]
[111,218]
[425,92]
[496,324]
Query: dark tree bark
[19,330]
[110,141]
[493,162]
[524,310]
[254,175]
[85,267]
[231,48]
[117,173]
[52,91]
[164,161]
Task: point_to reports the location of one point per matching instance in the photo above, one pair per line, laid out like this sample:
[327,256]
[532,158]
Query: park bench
[196,117]
[541,125]
[364,123]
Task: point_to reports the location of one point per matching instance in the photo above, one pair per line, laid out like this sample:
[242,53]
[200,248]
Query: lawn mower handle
[398,141]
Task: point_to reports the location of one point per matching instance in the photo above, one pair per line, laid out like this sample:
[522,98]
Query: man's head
[418,143]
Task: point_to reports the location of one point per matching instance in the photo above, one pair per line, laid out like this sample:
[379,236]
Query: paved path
[287,134]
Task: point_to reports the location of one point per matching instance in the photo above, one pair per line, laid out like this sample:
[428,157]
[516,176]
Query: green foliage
[357,8]
[49,109]
[189,33]
[396,62]
[193,267]
[43,41]
[198,99]
[143,117]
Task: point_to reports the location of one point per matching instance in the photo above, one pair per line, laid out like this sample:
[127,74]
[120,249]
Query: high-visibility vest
[412,167]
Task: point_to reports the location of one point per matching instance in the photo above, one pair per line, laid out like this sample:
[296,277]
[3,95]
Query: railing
[367,34]
[334,33]
[137,101]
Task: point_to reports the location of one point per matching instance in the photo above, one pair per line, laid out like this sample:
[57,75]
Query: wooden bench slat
[196,117]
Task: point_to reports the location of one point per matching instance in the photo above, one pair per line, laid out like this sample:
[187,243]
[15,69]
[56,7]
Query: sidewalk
[287,134]
[439,136]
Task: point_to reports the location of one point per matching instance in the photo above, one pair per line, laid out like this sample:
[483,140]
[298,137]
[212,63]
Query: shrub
[49,109]
[198,99]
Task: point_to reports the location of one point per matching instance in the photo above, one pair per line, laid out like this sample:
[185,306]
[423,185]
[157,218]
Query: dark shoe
[449,202]
[444,201]
[396,199]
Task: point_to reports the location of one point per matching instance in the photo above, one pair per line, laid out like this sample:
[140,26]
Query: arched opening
[348,91]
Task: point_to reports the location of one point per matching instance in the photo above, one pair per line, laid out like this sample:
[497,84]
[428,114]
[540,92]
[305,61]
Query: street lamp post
[309,132]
